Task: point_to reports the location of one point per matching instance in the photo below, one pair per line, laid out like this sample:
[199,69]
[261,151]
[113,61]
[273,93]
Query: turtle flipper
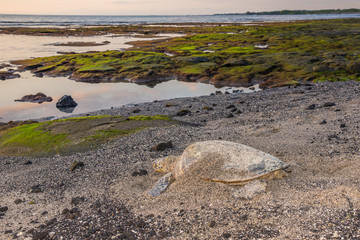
[161,185]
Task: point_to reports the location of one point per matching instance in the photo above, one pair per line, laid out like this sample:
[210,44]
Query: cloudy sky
[163,7]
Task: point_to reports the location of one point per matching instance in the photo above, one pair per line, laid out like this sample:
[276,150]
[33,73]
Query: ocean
[8,20]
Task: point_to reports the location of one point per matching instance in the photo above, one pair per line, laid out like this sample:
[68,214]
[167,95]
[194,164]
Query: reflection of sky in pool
[90,97]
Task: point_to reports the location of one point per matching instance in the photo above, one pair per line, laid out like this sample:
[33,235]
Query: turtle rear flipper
[161,185]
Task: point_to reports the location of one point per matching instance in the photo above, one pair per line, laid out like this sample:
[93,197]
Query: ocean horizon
[22,20]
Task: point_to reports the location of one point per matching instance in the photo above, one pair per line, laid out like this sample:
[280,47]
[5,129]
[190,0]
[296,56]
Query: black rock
[18,201]
[3,209]
[66,101]
[230,106]
[323,122]
[218,92]
[162,146]
[36,189]
[233,110]
[311,107]
[226,92]
[28,162]
[227,235]
[35,98]
[183,112]
[212,224]
[141,172]
[329,104]
[8,232]
[76,165]
[230,115]
[77,200]
[136,111]
[343,125]
[40,235]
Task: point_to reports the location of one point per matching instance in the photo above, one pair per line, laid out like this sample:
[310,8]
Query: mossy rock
[71,135]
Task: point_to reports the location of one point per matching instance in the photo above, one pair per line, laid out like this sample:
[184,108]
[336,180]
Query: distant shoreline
[298,12]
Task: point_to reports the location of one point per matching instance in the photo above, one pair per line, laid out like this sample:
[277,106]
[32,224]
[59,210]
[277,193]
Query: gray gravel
[320,199]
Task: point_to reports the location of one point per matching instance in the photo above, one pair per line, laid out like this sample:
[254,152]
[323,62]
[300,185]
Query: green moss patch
[65,136]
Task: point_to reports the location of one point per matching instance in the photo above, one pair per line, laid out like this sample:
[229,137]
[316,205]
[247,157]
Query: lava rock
[36,189]
[162,146]
[75,165]
[66,101]
[141,172]
[77,200]
[230,106]
[323,122]
[40,235]
[8,75]
[183,112]
[311,107]
[3,209]
[35,98]
[329,104]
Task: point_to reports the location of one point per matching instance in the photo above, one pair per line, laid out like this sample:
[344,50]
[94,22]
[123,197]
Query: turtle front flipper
[161,185]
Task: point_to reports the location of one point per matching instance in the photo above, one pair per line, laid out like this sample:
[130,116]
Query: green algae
[272,54]
[64,136]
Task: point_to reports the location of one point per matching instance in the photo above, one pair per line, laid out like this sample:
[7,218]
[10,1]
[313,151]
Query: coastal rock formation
[4,75]
[35,98]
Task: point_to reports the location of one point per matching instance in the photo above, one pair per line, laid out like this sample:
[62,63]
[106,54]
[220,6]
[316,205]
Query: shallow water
[90,97]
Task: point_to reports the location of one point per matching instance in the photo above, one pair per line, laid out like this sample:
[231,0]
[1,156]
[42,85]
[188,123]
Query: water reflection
[90,97]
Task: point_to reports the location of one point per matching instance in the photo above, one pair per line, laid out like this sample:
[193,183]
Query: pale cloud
[164,7]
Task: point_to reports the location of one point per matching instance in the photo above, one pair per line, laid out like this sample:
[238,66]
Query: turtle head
[165,164]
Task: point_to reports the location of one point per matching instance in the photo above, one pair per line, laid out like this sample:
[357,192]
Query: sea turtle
[218,161]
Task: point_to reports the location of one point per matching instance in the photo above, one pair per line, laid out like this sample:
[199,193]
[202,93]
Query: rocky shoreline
[314,128]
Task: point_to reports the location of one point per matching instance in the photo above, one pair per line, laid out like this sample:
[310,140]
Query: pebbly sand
[315,129]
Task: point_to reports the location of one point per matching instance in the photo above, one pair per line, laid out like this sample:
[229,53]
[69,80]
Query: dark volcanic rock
[311,107]
[323,122]
[3,209]
[162,146]
[141,172]
[77,200]
[183,112]
[76,165]
[36,189]
[329,104]
[8,75]
[35,98]
[41,235]
[66,101]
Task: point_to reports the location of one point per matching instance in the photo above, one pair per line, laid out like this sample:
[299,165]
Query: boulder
[35,98]
[66,101]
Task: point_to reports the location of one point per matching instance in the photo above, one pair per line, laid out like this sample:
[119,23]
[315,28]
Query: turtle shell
[225,161]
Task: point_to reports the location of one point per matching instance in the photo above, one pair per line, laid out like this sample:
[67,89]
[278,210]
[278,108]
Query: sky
[164,7]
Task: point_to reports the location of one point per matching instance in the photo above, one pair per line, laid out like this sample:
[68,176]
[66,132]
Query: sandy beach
[313,128]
